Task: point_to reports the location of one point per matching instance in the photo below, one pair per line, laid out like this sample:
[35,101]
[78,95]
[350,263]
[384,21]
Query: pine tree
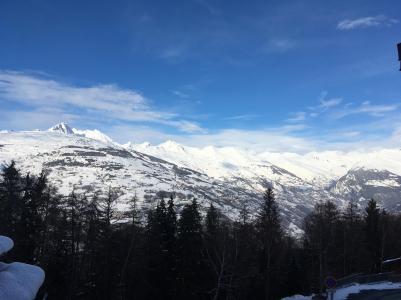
[270,235]
[74,218]
[245,257]
[352,238]
[212,222]
[218,245]
[10,200]
[92,245]
[191,268]
[373,236]
[170,258]
[107,208]
[171,224]
[320,241]
[158,231]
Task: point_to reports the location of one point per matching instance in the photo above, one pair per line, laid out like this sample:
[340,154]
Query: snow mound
[342,294]
[6,244]
[19,281]
[297,297]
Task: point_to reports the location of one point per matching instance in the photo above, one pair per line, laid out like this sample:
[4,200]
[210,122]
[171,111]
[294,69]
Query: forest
[89,250]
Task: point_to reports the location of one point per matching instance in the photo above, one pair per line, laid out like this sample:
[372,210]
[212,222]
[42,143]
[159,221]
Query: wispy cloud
[280,45]
[180,94]
[245,117]
[174,53]
[35,119]
[336,109]
[104,101]
[350,134]
[257,140]
[210,8]
[297,117]
[330,102]
[365,108]
[365,22]
[325,104]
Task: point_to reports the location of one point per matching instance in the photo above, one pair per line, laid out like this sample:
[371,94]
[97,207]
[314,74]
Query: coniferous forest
[90,251]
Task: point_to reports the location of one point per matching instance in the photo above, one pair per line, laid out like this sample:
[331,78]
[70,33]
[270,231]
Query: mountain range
[231,178]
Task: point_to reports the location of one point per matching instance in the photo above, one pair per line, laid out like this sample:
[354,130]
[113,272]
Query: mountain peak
[62,128]
[93,134]
[171,145]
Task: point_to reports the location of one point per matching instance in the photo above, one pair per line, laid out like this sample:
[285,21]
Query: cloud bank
[98,101]
[32,101]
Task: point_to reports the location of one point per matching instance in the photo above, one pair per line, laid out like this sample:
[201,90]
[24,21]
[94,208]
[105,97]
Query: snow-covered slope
[362,184]
[318,168]
[75,161]
[226,176]
[320,171]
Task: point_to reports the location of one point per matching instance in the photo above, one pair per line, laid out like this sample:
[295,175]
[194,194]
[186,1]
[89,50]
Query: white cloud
[365,108]
[125,115]
[186,126]
[180,94]
[174,53]
[36,119]
[103,101]
[350,134]
[324,105]
[210,8]
[372,21]
[280,45]
[330,102]
[297,117]
[270,139]
[245,117]
[334,108]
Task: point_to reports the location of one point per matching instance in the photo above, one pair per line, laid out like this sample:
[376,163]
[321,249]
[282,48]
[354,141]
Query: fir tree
[191,268]
[270,234]
[373,236]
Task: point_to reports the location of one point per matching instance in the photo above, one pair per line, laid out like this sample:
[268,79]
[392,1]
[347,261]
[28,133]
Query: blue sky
[270,75]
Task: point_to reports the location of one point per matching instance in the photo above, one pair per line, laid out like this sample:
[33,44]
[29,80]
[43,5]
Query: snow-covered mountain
[363,184]
[92,134]
[228,177]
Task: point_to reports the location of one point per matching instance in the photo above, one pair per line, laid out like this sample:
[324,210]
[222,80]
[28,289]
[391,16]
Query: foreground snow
[18,281]
[343,293]
[6,244]
[298,297]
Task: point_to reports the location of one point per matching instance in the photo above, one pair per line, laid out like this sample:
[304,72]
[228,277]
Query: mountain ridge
[227,176]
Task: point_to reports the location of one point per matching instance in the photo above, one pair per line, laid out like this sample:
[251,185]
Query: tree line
[89,251]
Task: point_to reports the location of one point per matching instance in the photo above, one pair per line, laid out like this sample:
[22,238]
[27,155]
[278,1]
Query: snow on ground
[6,244]
[391,260]
[18,281]
[385,183]
[297,297]
[343,293]
[315,167]
[90,160]
[93,134]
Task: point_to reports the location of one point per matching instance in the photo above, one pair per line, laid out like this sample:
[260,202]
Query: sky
[293,76]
